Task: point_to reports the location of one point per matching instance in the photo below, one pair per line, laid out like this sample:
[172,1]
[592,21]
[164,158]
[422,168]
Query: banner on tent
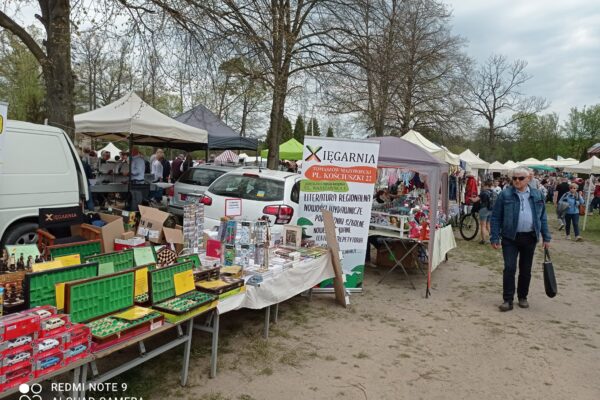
[339,176]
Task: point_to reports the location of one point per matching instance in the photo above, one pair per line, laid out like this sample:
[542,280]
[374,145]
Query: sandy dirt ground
[393,343]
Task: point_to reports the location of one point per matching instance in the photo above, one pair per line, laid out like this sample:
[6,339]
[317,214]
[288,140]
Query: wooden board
[334,247]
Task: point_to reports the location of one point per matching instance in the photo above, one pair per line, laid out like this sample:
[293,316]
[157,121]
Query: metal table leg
[398,263]
[187,350]
[276,316]
[267,321]
[215,344]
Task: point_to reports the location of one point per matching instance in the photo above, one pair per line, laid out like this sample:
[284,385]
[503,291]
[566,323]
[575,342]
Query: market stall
[439,152]
[398,158]
[290,150]
[497,167]
[133,120]
[473,162]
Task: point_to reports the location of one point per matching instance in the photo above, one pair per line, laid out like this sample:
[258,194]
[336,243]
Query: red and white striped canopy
[227,156]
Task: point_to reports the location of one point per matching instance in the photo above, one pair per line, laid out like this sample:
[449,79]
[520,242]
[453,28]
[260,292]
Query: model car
[261,193]
[53,323]
[20,341]
[43,313]
[17,358]
[80,348]
[49,362]
[20,373]
[47,344]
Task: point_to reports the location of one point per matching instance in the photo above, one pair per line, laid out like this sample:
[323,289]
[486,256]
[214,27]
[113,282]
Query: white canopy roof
[131,115]
[473,160]
[530,161]
[112,149]
[510,164]
[565,162]
[438,152]
[591,166]
[497,167]
[549,162]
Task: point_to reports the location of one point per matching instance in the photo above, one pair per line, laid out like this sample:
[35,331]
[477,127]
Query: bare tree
[495,95]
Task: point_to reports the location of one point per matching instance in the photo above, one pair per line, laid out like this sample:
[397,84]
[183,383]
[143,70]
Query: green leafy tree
[20,80]
[299,130]
[286,130]
[537,136]
[582,130]
[329,132]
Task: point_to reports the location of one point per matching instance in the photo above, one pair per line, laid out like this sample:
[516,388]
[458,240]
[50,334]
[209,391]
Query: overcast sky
[560,39]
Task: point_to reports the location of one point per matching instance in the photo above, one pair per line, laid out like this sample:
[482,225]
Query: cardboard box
[128,235]
[151,224]
[111,231]
[124,244]
[174,236]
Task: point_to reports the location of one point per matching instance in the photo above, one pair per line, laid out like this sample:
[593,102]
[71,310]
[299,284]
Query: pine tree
[329,132]
[287,131]
[299,130]
[313,128]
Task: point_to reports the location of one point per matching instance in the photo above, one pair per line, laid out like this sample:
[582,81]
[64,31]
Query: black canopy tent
[220,135]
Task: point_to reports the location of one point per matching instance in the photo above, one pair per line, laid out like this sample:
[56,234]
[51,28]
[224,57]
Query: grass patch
[361,355]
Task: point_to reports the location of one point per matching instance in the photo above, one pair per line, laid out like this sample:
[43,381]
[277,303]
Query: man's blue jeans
[523,248]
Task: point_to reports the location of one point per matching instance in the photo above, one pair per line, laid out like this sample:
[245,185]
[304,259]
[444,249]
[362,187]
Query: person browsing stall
[486,204]
[518,221]
[560,190]
[574,199]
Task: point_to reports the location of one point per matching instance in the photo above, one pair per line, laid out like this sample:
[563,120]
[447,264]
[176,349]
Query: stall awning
[529,162]
[438,152]
[290,150]
[220,135]
[497,167]
[591,166]
[473,160]
[131,115]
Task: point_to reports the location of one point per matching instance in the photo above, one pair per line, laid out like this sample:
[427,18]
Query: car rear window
[249,188]
[200,176]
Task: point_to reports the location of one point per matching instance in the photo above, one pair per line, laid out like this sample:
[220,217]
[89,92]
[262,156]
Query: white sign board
[339,176]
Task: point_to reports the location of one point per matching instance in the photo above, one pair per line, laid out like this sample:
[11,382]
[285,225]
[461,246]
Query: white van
[39,168]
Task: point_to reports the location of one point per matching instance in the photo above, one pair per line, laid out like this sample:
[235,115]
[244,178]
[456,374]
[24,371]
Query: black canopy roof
[220,136]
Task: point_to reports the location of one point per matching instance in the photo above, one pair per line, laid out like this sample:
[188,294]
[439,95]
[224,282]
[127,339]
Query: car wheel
[24,233]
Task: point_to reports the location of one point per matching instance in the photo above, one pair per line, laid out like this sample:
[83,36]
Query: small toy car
[17,358]
[43,313]
[80,348]
[54,323]
[20,373]
[47,344]
[20,341]
[49,362]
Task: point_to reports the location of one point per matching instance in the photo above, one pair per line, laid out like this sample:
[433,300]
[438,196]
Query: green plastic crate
[161,282]
[121,260]
[100,296]
[84,249]
[192,257]
[40,286]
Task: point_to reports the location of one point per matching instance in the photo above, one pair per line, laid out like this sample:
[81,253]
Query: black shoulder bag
[549,278]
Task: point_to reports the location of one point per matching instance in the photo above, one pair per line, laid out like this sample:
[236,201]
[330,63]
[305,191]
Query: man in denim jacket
[518,220]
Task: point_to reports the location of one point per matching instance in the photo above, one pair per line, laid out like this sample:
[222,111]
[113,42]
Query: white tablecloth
[282,286]
[444,242]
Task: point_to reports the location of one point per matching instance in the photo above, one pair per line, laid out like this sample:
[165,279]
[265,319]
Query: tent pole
[129,174]
[587,200]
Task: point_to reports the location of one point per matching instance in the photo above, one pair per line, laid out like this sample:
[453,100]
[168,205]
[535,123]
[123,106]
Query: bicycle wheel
[469,226]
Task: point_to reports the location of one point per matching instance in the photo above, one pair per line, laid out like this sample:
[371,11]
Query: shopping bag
[549,278]
[582,209]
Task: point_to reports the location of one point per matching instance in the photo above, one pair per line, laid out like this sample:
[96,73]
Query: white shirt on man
[157,169]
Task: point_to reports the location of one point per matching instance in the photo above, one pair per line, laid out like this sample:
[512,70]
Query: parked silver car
[193,183]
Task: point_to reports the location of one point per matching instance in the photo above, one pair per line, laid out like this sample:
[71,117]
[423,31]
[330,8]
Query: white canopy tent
[131,116]
[549,162]
[529,162]
[591,167]
[112,149]
[510,164]
[497,167]
[473,161]
[565,162]
[438,152]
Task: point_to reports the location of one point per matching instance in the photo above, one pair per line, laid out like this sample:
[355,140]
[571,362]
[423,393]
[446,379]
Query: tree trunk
[58,75]
[275,127]
[244,115]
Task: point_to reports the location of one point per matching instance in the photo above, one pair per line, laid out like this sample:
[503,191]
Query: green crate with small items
[172,292]
[84,249]
[121,260]
[106,305]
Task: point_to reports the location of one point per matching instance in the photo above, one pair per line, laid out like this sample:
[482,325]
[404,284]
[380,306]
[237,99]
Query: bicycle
[468,224]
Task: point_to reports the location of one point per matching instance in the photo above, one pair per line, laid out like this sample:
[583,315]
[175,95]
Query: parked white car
[47,344]
[261,192]
[192,184]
